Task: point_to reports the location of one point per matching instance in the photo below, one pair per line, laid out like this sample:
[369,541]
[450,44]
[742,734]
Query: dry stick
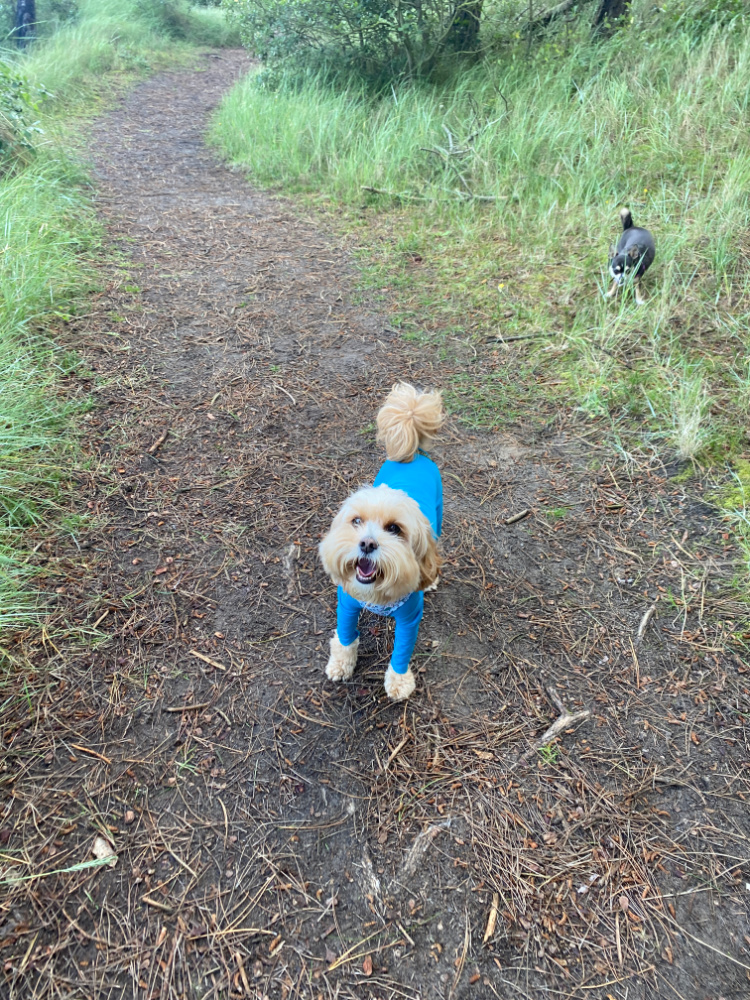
[393,194]
[565,721]
[420,846]
[241,967]
[158,443]
[395,752]
[460,195]
[644,623]
[277,386]
[500,339]
[517,517]
[462,958]
[188,708]
[156,904]
[207,659]
[93,753]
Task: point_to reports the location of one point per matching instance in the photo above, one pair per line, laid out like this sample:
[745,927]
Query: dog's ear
[424,547]
[634,252]
[612,251]
[429,566]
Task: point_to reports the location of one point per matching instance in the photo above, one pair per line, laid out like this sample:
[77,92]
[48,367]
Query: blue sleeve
[439,508]
[347,616]
[407,619]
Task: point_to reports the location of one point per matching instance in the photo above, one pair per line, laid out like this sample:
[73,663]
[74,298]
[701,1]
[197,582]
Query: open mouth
[367,571]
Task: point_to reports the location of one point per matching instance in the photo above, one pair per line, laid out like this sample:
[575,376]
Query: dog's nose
[367,545]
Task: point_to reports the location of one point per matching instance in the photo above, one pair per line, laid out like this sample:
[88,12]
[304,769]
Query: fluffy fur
[342,661]
[385,529]
[399,686]
[381,548]
[408,421]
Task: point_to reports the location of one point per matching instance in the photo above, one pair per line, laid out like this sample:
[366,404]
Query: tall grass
[49,236]
[44,229]
[120,37]
[507,180]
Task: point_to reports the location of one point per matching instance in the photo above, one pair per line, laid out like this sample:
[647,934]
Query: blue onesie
[420,479]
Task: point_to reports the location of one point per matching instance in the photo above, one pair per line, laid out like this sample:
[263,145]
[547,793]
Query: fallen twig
[158,443]
[644,622]
[277,386]
[517,517]
[207,659]
[394,194]
[565,721]
[188,708]
[93,753]
[421,843]
[499,338]
[156,904]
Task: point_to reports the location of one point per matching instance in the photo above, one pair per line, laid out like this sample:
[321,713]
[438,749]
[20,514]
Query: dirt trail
[282,837]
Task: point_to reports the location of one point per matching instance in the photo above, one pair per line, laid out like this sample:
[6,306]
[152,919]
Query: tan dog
[381,550]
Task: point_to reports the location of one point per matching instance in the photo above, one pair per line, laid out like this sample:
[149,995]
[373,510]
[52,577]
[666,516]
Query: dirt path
[282,837]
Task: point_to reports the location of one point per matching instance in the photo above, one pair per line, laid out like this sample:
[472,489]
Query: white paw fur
[399,686]
[433,585]
[342,661]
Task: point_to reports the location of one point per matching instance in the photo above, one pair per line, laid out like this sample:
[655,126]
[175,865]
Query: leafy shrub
[18,125]
[376,38]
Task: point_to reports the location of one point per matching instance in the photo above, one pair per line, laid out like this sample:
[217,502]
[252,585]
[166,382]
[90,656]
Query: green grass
[112,38]
[50,238]
[559,139]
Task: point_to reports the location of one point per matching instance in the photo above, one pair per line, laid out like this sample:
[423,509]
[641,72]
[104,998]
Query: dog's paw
[342,661]
[399,686]
[433,585]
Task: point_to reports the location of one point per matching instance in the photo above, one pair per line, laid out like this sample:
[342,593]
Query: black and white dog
[632,257]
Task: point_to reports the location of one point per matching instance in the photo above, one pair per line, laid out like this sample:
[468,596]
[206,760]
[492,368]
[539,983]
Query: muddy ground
[280,836]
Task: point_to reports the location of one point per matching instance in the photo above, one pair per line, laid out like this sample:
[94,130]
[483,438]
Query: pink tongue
[366,567]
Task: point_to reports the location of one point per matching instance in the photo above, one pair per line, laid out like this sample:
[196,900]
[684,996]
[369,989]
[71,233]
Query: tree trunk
[463,34]
[609,13]
[25,20]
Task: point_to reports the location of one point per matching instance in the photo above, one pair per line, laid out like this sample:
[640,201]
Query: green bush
[375,38]
[18,117]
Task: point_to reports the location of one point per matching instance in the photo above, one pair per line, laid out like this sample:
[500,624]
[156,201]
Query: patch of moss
[736,493]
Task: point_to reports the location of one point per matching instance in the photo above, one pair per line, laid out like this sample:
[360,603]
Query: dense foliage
[18,119]
[376,37]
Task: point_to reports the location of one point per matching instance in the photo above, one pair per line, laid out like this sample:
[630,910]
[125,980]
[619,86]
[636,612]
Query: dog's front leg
[343,659]
[399,680]
[612,292]
[639,299]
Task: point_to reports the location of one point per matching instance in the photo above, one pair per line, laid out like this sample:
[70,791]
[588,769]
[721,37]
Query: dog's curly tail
[409,420]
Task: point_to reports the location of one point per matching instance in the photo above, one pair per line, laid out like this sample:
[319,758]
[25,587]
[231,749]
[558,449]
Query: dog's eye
[393,529]
[356,521]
